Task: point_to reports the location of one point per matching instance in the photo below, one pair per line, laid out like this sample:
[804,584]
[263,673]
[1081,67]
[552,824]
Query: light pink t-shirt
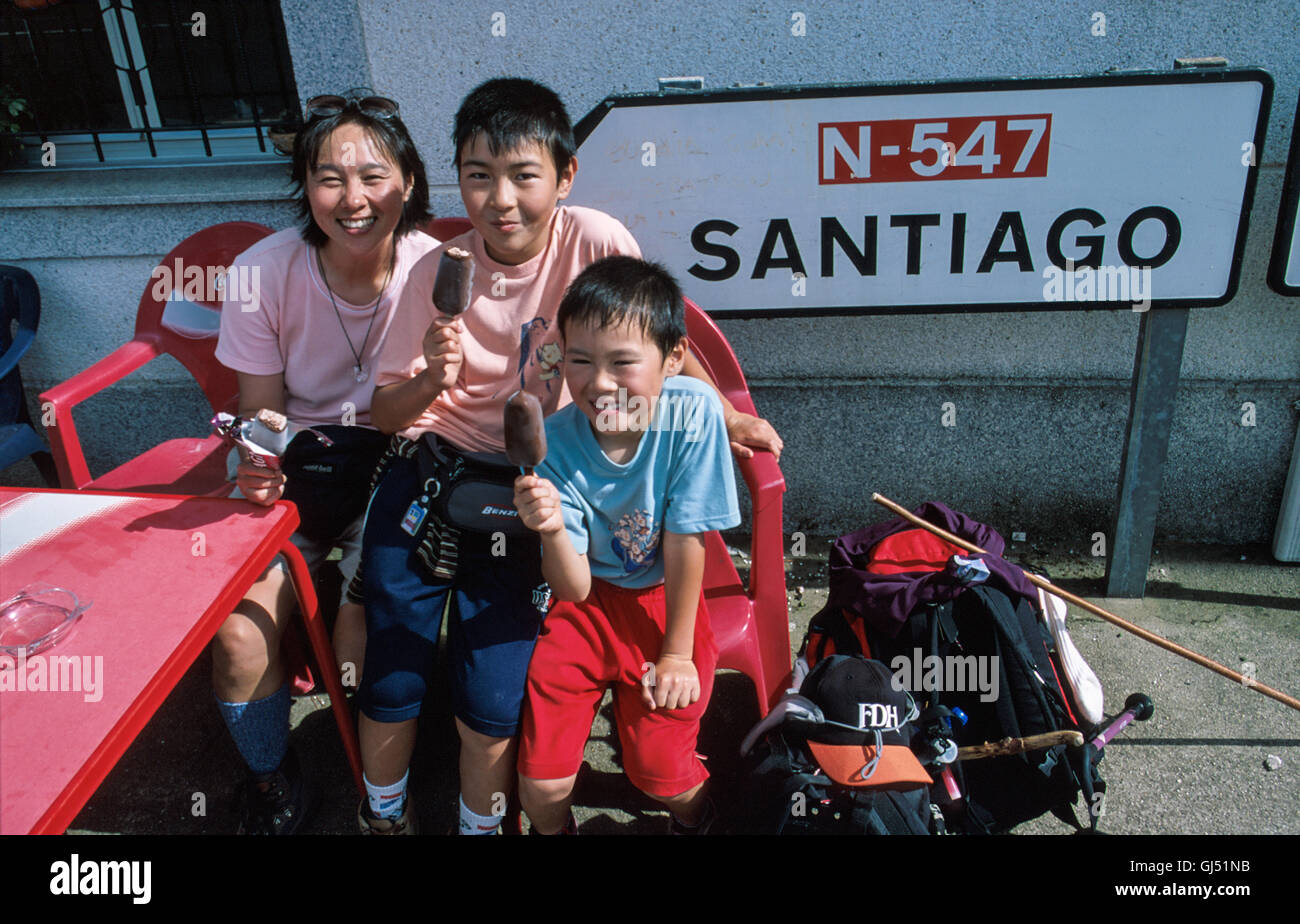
[509,340]
[294,328]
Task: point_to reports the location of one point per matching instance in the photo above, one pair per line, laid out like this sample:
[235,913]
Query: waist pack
[330,485]
[473,491]
[838,759]
[963,635]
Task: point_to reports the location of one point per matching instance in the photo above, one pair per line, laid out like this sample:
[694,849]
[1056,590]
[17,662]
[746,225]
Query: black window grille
[148,80]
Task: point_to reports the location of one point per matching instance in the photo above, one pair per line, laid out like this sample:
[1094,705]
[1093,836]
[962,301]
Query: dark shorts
[498,602]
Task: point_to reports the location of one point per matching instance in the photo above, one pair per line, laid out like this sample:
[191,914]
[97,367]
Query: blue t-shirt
[680,479]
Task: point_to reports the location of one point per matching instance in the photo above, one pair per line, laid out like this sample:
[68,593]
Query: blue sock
[260,729]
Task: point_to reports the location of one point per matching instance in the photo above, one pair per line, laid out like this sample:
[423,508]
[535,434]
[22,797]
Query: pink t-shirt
[295,330]
[509,341]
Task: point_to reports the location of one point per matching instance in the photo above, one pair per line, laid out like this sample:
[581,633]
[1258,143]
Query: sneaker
[369,824]
[570,826]
[279,802]
[676,826]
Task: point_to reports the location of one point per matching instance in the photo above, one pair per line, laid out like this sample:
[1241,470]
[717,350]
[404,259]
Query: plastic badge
[37,617]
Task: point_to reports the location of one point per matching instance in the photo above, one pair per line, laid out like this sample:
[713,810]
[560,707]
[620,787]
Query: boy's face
[615,376]
[510,197]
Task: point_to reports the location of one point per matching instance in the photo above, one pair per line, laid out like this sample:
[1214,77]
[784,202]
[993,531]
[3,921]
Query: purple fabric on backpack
[885,601]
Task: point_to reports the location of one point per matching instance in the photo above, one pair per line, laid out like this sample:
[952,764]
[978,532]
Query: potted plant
[12,110]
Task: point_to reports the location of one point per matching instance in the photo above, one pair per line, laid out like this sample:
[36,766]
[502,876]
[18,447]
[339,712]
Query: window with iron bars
[158,82]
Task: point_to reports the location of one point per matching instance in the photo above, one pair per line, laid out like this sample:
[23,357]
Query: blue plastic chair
[21,300]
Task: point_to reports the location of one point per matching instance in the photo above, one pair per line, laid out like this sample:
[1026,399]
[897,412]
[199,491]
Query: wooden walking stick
[1009,746]
[1093,608]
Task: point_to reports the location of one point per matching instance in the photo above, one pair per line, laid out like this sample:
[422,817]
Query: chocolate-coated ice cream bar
[452,284]
[524,431]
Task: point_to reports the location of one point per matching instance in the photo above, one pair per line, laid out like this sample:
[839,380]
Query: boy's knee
[535,794]
[392,696]
[490,747]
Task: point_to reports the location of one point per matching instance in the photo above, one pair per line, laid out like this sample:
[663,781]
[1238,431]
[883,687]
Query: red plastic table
[162,572]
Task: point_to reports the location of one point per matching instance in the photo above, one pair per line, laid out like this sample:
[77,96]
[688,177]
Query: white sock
[387,801]
[477,824]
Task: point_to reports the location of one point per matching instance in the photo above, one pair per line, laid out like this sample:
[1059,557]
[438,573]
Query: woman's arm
[743,430]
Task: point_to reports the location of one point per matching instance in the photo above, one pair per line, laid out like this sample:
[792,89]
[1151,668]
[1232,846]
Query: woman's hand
[442,352]
[259,484]
[746,430]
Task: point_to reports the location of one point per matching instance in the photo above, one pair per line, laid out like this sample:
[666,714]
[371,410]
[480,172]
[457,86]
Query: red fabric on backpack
[912,550]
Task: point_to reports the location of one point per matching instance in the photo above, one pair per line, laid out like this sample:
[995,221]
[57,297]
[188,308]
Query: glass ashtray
[37,617]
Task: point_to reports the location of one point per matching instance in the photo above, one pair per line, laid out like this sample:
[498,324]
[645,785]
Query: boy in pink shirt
[442,384]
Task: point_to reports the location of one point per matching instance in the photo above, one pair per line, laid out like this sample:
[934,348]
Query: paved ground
[1200,766]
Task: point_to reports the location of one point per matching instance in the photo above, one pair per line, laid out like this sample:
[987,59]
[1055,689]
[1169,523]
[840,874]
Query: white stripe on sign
[39,516]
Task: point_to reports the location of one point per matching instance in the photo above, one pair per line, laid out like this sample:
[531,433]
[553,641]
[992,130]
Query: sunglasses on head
[330,104]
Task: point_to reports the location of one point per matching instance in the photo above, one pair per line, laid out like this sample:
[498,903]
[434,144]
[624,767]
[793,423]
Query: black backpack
[786,792]
[981,621]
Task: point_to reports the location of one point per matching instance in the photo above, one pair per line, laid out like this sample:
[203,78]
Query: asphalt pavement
[1216,757]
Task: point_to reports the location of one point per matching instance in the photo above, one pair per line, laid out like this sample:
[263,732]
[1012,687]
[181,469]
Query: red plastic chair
[444,229]
[182,466]
[751,625]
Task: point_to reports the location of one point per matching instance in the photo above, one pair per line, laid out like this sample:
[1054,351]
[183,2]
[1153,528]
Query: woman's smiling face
[356,192]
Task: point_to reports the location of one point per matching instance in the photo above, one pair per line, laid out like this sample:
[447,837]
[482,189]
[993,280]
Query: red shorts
[604,641]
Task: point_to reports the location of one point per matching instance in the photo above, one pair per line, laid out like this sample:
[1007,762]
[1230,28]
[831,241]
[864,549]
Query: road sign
[1052,193]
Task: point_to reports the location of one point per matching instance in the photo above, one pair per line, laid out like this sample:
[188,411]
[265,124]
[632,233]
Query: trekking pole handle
[1139,709]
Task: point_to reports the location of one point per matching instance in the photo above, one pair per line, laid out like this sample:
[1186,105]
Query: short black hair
[619,290]
[392,138]
[511,112]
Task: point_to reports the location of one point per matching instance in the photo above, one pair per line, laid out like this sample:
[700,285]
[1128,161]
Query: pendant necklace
[359,371]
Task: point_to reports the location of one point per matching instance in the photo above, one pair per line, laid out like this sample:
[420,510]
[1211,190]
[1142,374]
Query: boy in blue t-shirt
[638,470]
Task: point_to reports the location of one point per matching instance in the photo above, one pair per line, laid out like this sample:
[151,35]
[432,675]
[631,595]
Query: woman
[307,347]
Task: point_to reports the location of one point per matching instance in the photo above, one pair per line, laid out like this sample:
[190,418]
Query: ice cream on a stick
[524,431]
[270,430]
[265,436]
[452,284]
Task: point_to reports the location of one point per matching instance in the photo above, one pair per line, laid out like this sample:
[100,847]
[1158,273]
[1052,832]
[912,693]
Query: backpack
[963,635]
[784,794]
[786,791]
